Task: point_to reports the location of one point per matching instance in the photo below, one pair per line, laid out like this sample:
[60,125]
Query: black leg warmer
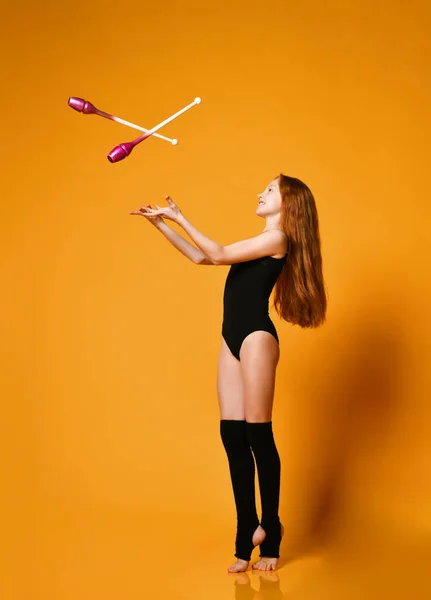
[261,440]
[242,472]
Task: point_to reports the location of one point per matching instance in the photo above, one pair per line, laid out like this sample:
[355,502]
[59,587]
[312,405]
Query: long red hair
[299,293]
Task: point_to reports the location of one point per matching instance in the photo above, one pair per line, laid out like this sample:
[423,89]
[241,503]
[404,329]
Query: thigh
[230,389]
[260,353]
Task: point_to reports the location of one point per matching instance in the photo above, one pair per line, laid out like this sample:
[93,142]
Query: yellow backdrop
[113,465]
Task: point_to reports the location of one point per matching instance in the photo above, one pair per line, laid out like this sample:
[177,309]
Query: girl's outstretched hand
[171,212]
[143,211]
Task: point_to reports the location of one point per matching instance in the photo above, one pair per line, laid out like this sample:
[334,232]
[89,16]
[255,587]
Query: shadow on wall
[349,417]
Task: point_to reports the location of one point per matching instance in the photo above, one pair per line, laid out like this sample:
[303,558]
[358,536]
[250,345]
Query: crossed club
[123,150]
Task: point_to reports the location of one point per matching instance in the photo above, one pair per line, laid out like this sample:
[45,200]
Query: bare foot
[266,563]
[240,564]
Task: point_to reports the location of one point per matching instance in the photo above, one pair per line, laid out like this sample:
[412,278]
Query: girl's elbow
[205,260]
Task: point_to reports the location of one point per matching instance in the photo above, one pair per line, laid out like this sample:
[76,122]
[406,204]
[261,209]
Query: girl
[287,255]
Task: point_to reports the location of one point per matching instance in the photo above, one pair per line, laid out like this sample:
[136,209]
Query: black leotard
[245,302]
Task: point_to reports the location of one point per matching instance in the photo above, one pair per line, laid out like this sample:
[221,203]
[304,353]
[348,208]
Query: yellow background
[115,480]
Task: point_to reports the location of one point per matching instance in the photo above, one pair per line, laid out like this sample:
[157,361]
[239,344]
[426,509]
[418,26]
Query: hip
[248,323]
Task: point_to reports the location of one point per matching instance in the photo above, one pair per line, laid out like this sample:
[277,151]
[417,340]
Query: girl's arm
[194,254]
[267,243]
[208,247]
[264,244]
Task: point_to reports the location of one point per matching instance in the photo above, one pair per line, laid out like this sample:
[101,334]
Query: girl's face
[269,200]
